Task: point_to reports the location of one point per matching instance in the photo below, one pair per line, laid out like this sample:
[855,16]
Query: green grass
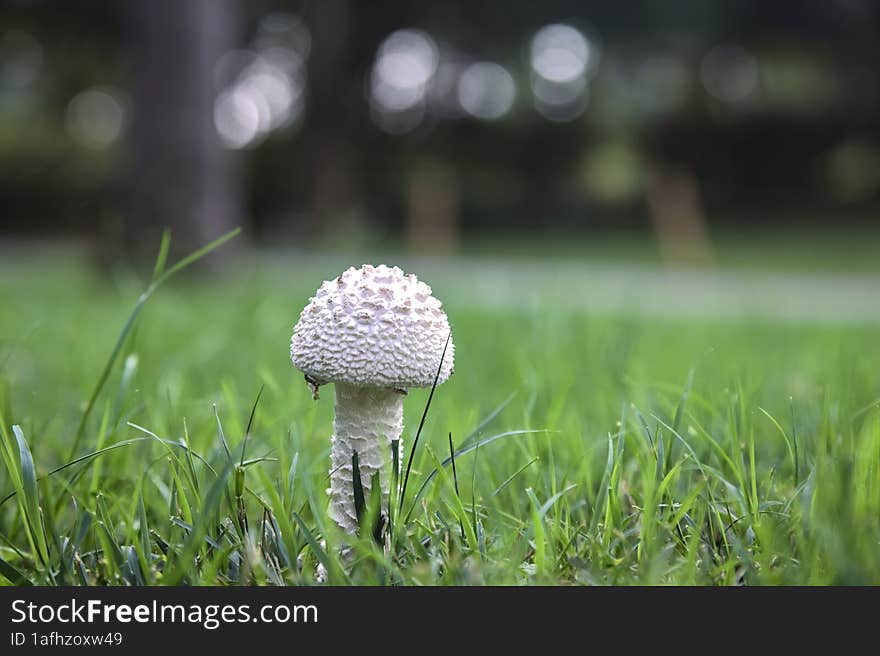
[612,449]
[736,247]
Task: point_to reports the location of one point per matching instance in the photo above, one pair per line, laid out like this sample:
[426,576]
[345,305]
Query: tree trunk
[181,176]
[330,118]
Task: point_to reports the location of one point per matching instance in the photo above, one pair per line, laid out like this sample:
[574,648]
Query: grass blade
[395,481]
[250,423]
[488,420]
[221,434]
[15,577]
[455,481]
[794,439]
[510,478]
[320,553]
[162,256]
[682,402]
[549,503]
[602,496]
[788,443]
[412,452]
[31,501]
[132,318]
[143,528]
[358,487]
[462,451]
[207,512]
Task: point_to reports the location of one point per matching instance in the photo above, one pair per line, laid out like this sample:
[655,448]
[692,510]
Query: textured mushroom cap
[373,327]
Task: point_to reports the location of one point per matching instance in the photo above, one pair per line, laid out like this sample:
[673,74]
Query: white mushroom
[374,332]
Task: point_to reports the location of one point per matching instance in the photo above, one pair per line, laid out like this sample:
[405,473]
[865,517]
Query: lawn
[618,446]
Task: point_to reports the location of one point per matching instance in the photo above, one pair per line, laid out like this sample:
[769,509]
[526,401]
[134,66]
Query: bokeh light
[729,73]
[562,60]
[613,172]
[404,66]
[284,31]
[853,170]
[486,90]
[282,92]
[263,90]
[21,57]
[560,53]
[797,81]
[96,117]
[239,117]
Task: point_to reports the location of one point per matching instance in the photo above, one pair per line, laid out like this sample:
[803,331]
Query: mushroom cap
[373,327]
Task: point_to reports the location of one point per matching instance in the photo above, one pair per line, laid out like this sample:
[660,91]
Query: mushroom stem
[367,420]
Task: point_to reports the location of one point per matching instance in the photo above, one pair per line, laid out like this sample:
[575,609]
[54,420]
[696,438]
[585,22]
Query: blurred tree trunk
[677,214]
[433,208]
[331,116]
[673,191]
[181,175]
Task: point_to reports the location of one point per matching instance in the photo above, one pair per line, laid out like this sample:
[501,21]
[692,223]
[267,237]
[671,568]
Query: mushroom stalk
[367,420]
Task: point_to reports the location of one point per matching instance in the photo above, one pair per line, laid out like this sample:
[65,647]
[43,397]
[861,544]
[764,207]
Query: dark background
[673,119]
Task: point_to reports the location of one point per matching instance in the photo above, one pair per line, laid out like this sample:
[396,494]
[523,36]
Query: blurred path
[827,297]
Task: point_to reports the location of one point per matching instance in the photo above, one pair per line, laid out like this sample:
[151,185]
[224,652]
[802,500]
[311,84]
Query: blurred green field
[678,448]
